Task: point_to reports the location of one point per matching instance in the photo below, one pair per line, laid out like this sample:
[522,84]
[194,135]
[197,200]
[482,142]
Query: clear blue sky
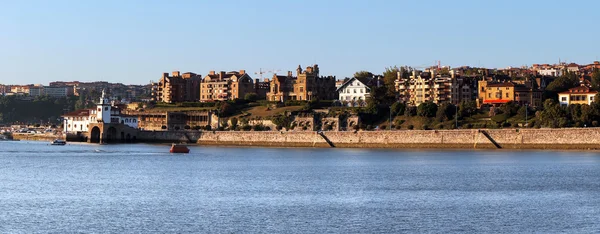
[134,41]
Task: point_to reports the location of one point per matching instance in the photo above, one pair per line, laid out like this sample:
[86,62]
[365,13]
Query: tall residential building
[306,86]
[423,87]
[464,88]
[226,86]
[177,87]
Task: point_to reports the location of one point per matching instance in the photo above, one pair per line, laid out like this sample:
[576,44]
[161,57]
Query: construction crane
[261,72]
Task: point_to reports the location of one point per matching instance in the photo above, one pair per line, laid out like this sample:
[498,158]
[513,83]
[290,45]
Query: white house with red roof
[579,95]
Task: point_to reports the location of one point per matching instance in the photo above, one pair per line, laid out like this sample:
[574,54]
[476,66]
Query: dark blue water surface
[144,189]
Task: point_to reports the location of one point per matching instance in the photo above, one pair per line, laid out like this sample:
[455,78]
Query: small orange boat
[179,149]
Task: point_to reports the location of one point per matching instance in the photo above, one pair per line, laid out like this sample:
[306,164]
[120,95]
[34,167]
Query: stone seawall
[581,138]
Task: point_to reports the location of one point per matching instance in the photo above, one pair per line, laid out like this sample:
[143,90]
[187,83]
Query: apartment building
[225,86]
[177,87]
[423,87]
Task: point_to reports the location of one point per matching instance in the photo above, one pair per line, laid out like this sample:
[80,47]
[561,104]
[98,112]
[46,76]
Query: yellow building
[580,95]
[504,92]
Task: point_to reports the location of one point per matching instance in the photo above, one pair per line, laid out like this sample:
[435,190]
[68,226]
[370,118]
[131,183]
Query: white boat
[58,142]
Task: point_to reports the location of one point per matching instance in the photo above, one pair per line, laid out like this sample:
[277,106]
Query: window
[489,95]
[564,99]
[506,95]
[106,108]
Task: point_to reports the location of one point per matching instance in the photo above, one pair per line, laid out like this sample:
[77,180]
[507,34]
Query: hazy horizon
[134,42]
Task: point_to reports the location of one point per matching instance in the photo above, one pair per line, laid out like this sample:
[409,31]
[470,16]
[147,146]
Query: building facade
[423,87]
[581,95]
[498,93]
[306,86]
[169,121]
[355,91]
[226,86]
[177,88]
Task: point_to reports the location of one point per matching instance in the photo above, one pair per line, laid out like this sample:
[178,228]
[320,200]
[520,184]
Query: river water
[143,189]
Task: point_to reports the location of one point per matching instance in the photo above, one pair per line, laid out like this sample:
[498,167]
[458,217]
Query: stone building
[226,86]
[177,88]
[306,86]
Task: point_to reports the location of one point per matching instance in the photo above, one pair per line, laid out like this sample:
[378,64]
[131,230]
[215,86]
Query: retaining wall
[581,138]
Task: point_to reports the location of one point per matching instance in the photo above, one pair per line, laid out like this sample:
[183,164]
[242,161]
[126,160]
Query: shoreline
[587,139]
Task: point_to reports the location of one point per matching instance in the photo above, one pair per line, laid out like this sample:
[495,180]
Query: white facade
[550,71]
[566,98]
[79,121]
[56,91]
[354,92]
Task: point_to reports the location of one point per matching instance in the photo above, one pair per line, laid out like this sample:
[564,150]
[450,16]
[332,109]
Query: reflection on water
[143,188]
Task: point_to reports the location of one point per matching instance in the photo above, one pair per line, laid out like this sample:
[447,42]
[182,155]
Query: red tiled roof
[580,90]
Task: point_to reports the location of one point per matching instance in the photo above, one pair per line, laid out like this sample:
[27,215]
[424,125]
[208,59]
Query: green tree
[596,79]
[561,84]
[445,112]
[427,109]
[234,122]
[467,109]
[390,75]
[398,108]
[363,74]
[251,97]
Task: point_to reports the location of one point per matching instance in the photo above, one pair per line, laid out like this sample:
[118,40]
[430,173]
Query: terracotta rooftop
[580,90]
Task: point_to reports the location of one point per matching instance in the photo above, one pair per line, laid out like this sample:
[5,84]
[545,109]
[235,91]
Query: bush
[246,127]
[251,97]
[207,127]
[501,118]
[279,127]
[197,127]
[234,122]
[163,127]
[425,127]
[304,128]
[267,128]
[595,123]
[439,126]
[410,127]
[355,127]
[369,127]
[506,125]
[382,127]
[468,126]
[515,125]
[187,127]
[398,127]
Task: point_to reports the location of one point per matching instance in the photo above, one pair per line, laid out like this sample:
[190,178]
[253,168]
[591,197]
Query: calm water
[140,188]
